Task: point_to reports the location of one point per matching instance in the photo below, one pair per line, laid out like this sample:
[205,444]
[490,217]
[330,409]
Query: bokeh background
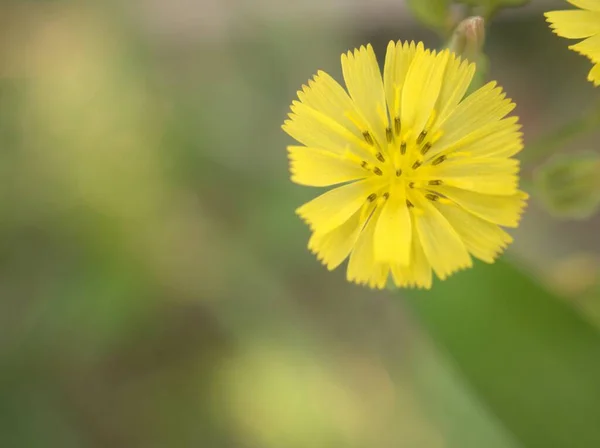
[155,286]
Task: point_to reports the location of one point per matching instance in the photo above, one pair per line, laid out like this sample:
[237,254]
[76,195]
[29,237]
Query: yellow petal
[458,77]
[393,232]
[498,139]
[335,207]
[589,47]
[442,245]
[484,175]
[574,24]
[502,210]
[364,83]
[594,75]
[482,239]
[422,88]
[398,59]
[315,167]
[481,108]
[333,247]
[418,273]
[315,129]
[362,267]
[591,5]
[326,96]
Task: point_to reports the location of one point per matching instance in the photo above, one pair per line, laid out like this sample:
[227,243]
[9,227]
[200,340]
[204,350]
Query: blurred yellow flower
[581,24]
[427,176]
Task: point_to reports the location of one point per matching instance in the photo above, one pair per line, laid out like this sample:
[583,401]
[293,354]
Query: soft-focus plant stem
[553,141]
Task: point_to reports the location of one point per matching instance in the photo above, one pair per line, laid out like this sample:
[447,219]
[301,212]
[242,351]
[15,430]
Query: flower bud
[569,185]
[468,38]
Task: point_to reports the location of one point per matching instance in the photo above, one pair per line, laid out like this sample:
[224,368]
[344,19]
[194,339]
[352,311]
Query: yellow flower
[581,24]
[427,176]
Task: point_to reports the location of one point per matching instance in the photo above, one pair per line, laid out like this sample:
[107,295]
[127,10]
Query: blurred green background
[155,286]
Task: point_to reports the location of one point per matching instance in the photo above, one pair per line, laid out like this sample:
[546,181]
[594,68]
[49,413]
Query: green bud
[432,13]
[468,38]
[569,185]
[467,41]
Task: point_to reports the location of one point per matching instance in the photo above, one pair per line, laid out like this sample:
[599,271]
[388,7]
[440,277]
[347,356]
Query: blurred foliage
[490,7]
[434,14]
[569,185]
[155,288]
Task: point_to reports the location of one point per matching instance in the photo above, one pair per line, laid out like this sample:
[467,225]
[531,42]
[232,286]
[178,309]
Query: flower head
[426,176]
[581,24]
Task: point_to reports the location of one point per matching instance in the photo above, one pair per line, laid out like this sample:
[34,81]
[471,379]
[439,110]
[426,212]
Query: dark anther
[388,135]
[368,138]
[421,137]
[364,164]
[435,182]
[426,147]
[411,185]
[377,171]
[403,148]
[409,204]
[398,172]
[380,157]
[386,195]
[397,125]
[417,164]
[432,197]
[439,160]
[371,197]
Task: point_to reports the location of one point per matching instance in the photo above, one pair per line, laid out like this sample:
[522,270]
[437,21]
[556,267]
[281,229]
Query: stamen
[380,157]
[432,197]
[388,135]
[409,204]
[398,172]
[403,148]
[377,171]
[371,197]
[425,149]
[417,164]
[397,125]
[421,137]
[435,182]
[439,160]
[364,164]
[386,195]
[411,185]
[368,138]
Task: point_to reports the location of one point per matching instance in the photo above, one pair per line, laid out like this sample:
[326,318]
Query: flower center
[400,161]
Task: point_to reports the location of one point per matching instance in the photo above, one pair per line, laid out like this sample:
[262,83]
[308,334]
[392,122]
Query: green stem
[551,142]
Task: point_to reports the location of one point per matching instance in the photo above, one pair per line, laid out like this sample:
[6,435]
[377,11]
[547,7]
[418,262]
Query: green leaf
[449,403]
[527,354]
